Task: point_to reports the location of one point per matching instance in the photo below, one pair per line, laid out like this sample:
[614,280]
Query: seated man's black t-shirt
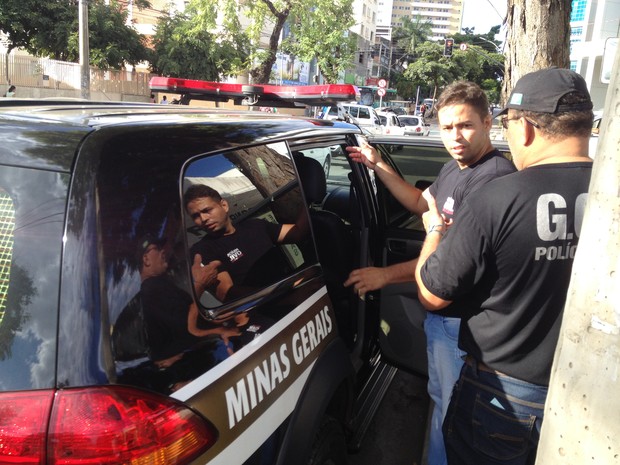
[249,254]
[165,308]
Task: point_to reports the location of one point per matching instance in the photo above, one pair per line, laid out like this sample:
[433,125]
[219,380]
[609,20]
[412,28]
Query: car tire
[329,447]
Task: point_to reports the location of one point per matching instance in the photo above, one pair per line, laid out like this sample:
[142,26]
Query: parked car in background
[390,123]
[364,116]
[415,126]
[398,110]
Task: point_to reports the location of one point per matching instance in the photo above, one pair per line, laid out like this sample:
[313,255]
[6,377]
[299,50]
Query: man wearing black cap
[510,253]
[167,307]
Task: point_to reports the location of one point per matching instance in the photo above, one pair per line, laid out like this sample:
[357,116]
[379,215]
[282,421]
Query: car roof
[64,124]
[101,113]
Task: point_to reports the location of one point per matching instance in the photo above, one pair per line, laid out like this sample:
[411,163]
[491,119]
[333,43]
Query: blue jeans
[493,419]
[444,366]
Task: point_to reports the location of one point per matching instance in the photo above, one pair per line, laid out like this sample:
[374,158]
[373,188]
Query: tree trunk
[582,413]
[538,37]
[262,73]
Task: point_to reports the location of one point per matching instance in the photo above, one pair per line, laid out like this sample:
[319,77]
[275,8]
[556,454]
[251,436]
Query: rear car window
[32,211]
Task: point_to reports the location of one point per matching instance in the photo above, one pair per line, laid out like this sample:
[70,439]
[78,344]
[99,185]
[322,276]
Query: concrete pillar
[582,413]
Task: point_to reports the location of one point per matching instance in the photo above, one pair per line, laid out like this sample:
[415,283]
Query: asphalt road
[397,434]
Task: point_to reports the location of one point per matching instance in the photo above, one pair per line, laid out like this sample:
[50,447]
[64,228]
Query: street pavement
[397,434]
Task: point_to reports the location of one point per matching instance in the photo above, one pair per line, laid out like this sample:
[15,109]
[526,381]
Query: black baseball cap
[146,241]
[540,92]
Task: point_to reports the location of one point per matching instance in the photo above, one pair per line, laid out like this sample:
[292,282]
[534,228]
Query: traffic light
[447,48]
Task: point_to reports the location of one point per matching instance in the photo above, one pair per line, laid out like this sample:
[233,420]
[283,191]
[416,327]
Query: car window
[146,239]
[420,165]
[32,211]
[364,113]
[253,192]
[409,121]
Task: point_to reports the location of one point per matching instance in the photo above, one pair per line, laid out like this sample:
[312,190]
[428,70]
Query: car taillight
[121,425]
[23,423]
[418,129]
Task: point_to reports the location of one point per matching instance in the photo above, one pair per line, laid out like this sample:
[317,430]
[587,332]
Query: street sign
[463,47]
[382,83]
[380,91]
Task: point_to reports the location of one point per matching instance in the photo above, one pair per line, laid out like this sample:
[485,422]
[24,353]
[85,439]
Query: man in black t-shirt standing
[465,125]
[509,253]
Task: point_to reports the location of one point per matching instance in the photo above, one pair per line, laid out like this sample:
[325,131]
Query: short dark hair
[563,123]
[465,93]
[198,191]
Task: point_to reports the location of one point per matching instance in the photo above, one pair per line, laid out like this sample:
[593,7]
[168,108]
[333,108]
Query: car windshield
[409,120]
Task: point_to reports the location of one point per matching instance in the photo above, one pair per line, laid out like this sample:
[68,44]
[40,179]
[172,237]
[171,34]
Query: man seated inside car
[246,249]
[170,313]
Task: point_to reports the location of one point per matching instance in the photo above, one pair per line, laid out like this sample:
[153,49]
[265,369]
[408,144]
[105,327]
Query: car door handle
[397,246]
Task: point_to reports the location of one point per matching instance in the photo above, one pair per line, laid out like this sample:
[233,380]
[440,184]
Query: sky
[484,14]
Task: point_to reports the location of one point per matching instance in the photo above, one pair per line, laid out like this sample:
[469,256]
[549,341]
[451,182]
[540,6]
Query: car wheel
[327,164]
[329,447]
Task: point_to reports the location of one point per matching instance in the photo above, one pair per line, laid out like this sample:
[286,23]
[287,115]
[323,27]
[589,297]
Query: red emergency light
[262,95]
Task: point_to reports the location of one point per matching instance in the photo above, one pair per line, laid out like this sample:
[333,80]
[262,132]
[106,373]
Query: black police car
[98,367]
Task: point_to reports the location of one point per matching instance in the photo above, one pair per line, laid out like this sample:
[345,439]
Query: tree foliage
[321,33]
[481,63]
[412,33]
[51,29]
[318,29]
[185,47]
[431,67]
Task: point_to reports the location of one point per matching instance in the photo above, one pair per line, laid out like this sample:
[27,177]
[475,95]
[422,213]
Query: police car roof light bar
[264,94]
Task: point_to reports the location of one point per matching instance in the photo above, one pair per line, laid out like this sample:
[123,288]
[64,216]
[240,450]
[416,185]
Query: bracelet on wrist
[438,228]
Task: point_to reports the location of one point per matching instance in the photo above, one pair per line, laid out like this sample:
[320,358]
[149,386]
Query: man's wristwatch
[438,228]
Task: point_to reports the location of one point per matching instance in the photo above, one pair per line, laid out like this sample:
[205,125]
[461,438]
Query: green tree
[482,67]
[321,33]
[431,67]
[51,29]
[184,47]
[267,18]
[412,33]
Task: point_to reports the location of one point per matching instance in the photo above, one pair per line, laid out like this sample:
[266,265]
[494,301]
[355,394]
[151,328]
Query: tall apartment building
[445,15]
[365,13]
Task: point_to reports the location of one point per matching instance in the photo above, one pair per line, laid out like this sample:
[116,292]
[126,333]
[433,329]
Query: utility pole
[84,49]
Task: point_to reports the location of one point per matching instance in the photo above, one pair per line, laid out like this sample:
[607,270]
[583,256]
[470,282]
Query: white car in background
[390,123]
[414,125]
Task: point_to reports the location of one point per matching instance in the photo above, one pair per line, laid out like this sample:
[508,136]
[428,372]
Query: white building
[445,15]
[593,24]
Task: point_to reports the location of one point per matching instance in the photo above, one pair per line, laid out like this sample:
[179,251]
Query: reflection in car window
[244,209]
[32,209]
[7,226]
